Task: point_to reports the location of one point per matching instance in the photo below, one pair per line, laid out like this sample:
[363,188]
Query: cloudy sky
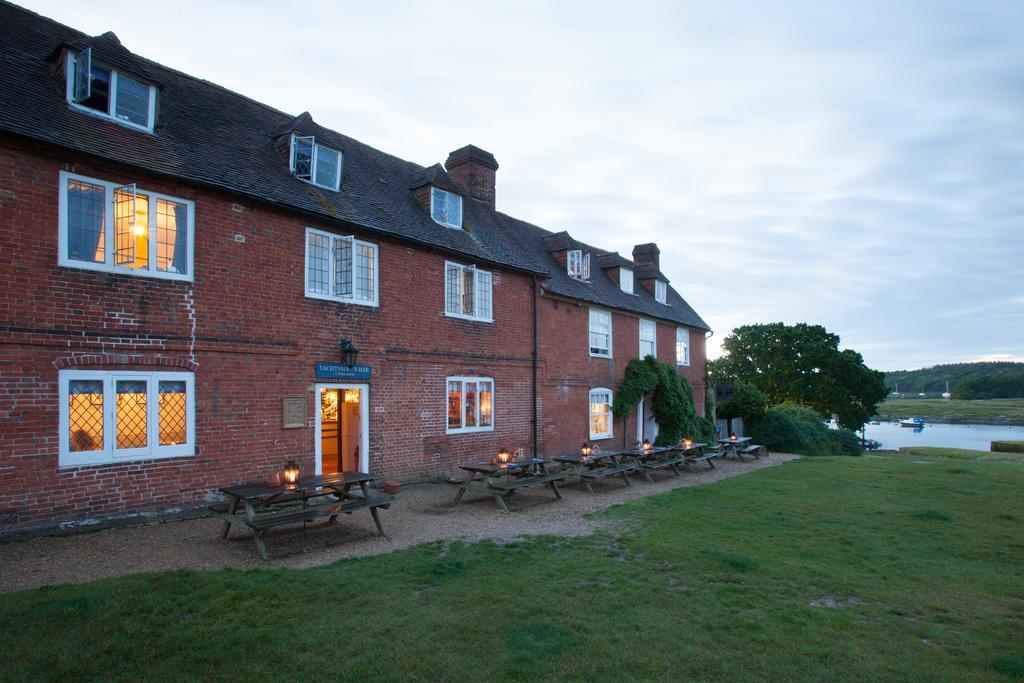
[854,164]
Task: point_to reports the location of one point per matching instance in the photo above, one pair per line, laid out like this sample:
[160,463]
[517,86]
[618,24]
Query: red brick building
[184,269]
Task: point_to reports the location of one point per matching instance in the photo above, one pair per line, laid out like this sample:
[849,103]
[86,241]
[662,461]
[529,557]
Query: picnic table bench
[504,479]
[591,467]
[658,458]
[700,452]
[753,449]
[259,506]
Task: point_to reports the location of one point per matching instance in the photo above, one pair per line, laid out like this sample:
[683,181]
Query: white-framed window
[446,208]
[660,291]
[626,280]
[682,346]
[648,338]
[577,264]
[600,333]
[111,417]
[341,268]
[315,163]
[469,405]
[124,229]
[467,292]
[110,93]
[600,401]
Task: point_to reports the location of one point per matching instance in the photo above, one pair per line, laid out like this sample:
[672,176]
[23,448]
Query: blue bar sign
[340,371]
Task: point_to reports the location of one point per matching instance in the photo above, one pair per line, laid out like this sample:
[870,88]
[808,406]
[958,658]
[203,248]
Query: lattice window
[340,268]
[468,292]
[446,208]
[86,221]
[132,414]
[302,156]
[85,415]
[110,93]
[173,413]
[110,416]
[120,228]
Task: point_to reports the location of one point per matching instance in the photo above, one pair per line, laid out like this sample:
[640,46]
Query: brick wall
[568,372]
[256,339]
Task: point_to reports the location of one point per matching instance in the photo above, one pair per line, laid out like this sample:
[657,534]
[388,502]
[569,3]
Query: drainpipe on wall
[533,381]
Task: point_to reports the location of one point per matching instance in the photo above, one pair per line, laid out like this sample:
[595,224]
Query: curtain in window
[179,263]
[85,220]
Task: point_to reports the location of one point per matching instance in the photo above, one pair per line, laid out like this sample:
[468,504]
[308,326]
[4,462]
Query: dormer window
[110,93]
[660,291]
[446,208]
[626,280]
[315,163]
[577,264]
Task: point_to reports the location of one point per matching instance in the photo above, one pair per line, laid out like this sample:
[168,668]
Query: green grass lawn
[962,454]
[822,569]
[963,411]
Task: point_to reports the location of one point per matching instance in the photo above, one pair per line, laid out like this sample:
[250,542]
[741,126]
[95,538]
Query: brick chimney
[474,168]
[647,253]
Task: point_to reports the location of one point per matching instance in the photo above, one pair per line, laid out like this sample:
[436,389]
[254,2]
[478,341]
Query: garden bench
[708,457]
[596,473]
[755,450]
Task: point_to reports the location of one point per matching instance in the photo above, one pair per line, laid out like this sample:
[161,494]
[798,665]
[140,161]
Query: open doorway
[342,428]
[646,425]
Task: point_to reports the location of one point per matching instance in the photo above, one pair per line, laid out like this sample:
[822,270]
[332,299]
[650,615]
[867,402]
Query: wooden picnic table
[504,479]
[658,458]
[594,466]
[732,446]
[259,506]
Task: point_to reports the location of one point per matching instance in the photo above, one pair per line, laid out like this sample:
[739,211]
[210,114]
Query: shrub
[747,403]
[795,429]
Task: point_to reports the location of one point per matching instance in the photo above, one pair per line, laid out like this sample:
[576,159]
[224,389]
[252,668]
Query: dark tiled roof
[535,243]
[209,135]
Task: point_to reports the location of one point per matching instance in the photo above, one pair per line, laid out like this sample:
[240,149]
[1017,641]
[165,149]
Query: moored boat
[915,422]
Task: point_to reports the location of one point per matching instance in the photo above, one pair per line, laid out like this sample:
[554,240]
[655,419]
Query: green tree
[747,402]
[802,364]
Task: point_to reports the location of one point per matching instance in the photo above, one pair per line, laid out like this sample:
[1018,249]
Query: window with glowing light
[600,413]
[124,229]
[110,93]
[110,417]
[467,292]
[470,406]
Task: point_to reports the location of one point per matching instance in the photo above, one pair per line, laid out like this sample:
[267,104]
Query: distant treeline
[966,380]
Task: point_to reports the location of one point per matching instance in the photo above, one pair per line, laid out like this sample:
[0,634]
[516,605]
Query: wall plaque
[293,412]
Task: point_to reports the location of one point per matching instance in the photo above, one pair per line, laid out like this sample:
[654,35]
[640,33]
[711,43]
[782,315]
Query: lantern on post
[349,353]
[291,474]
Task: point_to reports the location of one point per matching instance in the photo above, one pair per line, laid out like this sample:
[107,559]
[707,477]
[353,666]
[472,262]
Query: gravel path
[419,514]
